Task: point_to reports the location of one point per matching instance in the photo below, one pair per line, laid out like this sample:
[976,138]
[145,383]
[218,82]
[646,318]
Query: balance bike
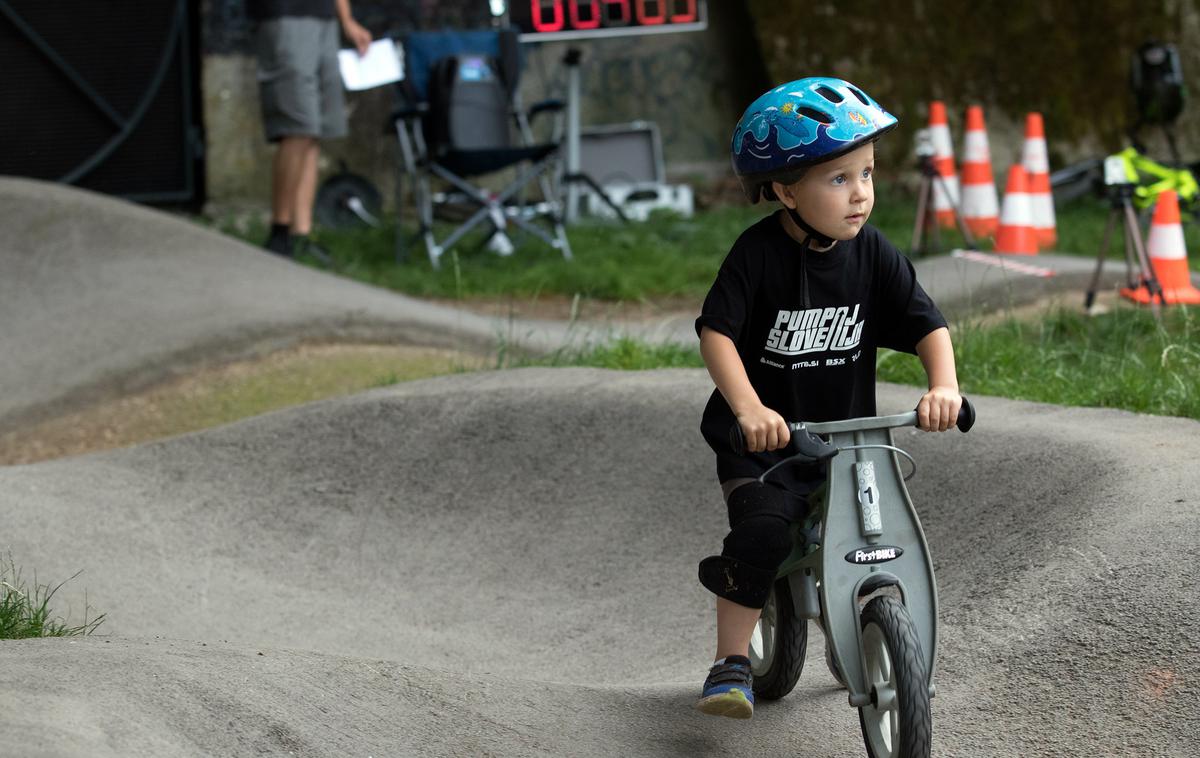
[861,567]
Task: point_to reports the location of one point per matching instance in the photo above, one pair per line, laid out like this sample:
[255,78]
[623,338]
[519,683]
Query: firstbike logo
[878,554]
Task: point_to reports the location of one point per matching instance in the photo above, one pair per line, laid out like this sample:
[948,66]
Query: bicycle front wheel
[897,723]
[778,644]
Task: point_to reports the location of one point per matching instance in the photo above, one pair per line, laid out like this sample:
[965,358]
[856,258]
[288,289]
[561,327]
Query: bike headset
[810,448]
[795,126]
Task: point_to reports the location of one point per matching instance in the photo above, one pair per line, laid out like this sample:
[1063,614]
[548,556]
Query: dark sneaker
[729,689]
[280,244]
[306,246]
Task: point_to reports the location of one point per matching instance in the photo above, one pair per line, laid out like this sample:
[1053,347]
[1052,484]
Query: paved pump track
[503,563]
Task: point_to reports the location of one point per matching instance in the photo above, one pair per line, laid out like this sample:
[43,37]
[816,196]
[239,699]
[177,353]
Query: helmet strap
[815,238]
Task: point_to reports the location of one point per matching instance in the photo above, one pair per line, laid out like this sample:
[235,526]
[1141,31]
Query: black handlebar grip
[966,416]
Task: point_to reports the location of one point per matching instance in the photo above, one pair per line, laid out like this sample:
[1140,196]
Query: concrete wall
[1069,60]
[693,85]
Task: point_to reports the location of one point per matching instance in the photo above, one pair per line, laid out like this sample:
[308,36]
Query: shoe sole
[731,704]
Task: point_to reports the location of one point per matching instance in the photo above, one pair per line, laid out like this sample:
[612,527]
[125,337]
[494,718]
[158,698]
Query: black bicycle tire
[912,685]
[791,641]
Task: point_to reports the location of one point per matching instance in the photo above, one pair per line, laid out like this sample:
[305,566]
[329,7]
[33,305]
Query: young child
[789,332]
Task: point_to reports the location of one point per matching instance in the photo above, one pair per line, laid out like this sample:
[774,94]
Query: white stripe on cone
[980,201]
[1016,209]
[940,137]
[1035,160]
[943,150]
[940,201]
[1041,208]
[1166,242]
[975,148]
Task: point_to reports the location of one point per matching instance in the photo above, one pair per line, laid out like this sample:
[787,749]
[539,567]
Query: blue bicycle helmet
[799,124]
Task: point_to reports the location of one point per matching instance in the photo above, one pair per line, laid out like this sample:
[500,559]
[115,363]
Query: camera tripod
[927,216]
[1121,197]
[574,175]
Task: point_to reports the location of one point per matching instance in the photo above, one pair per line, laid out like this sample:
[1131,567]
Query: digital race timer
[578,19]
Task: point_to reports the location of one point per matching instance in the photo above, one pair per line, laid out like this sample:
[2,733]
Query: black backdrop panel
[102,95]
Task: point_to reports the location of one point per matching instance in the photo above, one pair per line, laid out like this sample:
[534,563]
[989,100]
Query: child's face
[836,197]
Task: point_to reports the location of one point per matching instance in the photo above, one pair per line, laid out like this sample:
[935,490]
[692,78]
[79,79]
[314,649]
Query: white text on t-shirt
[815,330]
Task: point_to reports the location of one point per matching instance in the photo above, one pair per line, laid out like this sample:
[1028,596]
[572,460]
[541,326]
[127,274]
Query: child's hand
[764,429]
[938,409]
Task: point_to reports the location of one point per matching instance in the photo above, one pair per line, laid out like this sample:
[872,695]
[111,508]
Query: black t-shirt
[265,10]
[806,326]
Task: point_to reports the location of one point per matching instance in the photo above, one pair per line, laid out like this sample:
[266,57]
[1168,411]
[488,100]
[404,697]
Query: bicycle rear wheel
[898,723]
[778,644]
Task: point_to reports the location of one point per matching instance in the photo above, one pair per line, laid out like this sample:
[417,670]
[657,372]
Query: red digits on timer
[623,6]
[593,19]
[613,16]
[537,6]
[687,16]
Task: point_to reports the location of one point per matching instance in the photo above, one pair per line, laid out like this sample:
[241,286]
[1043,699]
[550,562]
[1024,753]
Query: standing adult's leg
[287,74]
[306,189]
[291,165]
[330,112]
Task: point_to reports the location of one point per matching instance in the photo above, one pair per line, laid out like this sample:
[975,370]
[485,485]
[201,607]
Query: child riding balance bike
[789,330]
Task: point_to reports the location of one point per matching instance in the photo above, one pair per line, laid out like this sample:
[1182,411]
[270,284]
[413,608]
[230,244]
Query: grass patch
[1124,359]
[624,353]
[229,393]
[25,611]
[668,256]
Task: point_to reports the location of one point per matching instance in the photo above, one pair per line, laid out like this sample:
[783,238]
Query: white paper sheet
[381,65]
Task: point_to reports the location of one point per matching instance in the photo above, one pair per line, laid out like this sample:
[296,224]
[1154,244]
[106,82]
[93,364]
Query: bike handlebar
[805,439]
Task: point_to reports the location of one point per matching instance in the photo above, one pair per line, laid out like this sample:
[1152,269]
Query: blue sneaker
[729,689]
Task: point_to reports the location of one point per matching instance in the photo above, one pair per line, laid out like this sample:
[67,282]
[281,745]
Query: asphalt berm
[503,563]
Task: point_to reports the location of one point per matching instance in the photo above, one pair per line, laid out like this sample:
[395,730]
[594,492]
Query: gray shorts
[298,78]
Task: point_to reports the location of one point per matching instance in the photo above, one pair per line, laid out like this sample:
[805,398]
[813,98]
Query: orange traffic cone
[1168,256]
[1037,168]
[979,203]
[945,195]
[1016,235]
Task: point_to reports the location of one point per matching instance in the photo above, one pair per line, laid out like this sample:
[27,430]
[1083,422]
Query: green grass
[623,353]
[1123,359]
[665,257]
[25,611]
[668,256]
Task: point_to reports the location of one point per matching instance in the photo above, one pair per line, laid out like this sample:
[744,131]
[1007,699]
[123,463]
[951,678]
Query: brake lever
[804,442]
[810,445]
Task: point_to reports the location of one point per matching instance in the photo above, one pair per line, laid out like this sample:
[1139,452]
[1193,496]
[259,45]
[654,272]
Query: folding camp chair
[459,120]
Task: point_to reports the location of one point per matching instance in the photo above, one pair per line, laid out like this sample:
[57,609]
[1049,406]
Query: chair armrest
[546,106]
[409,111]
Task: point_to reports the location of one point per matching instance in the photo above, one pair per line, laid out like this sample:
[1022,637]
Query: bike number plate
[868,499]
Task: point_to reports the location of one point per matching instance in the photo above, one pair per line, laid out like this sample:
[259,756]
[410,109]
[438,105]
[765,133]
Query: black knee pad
[759,520]
[736,581]
[762,541]
[758,541]
[755,499]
